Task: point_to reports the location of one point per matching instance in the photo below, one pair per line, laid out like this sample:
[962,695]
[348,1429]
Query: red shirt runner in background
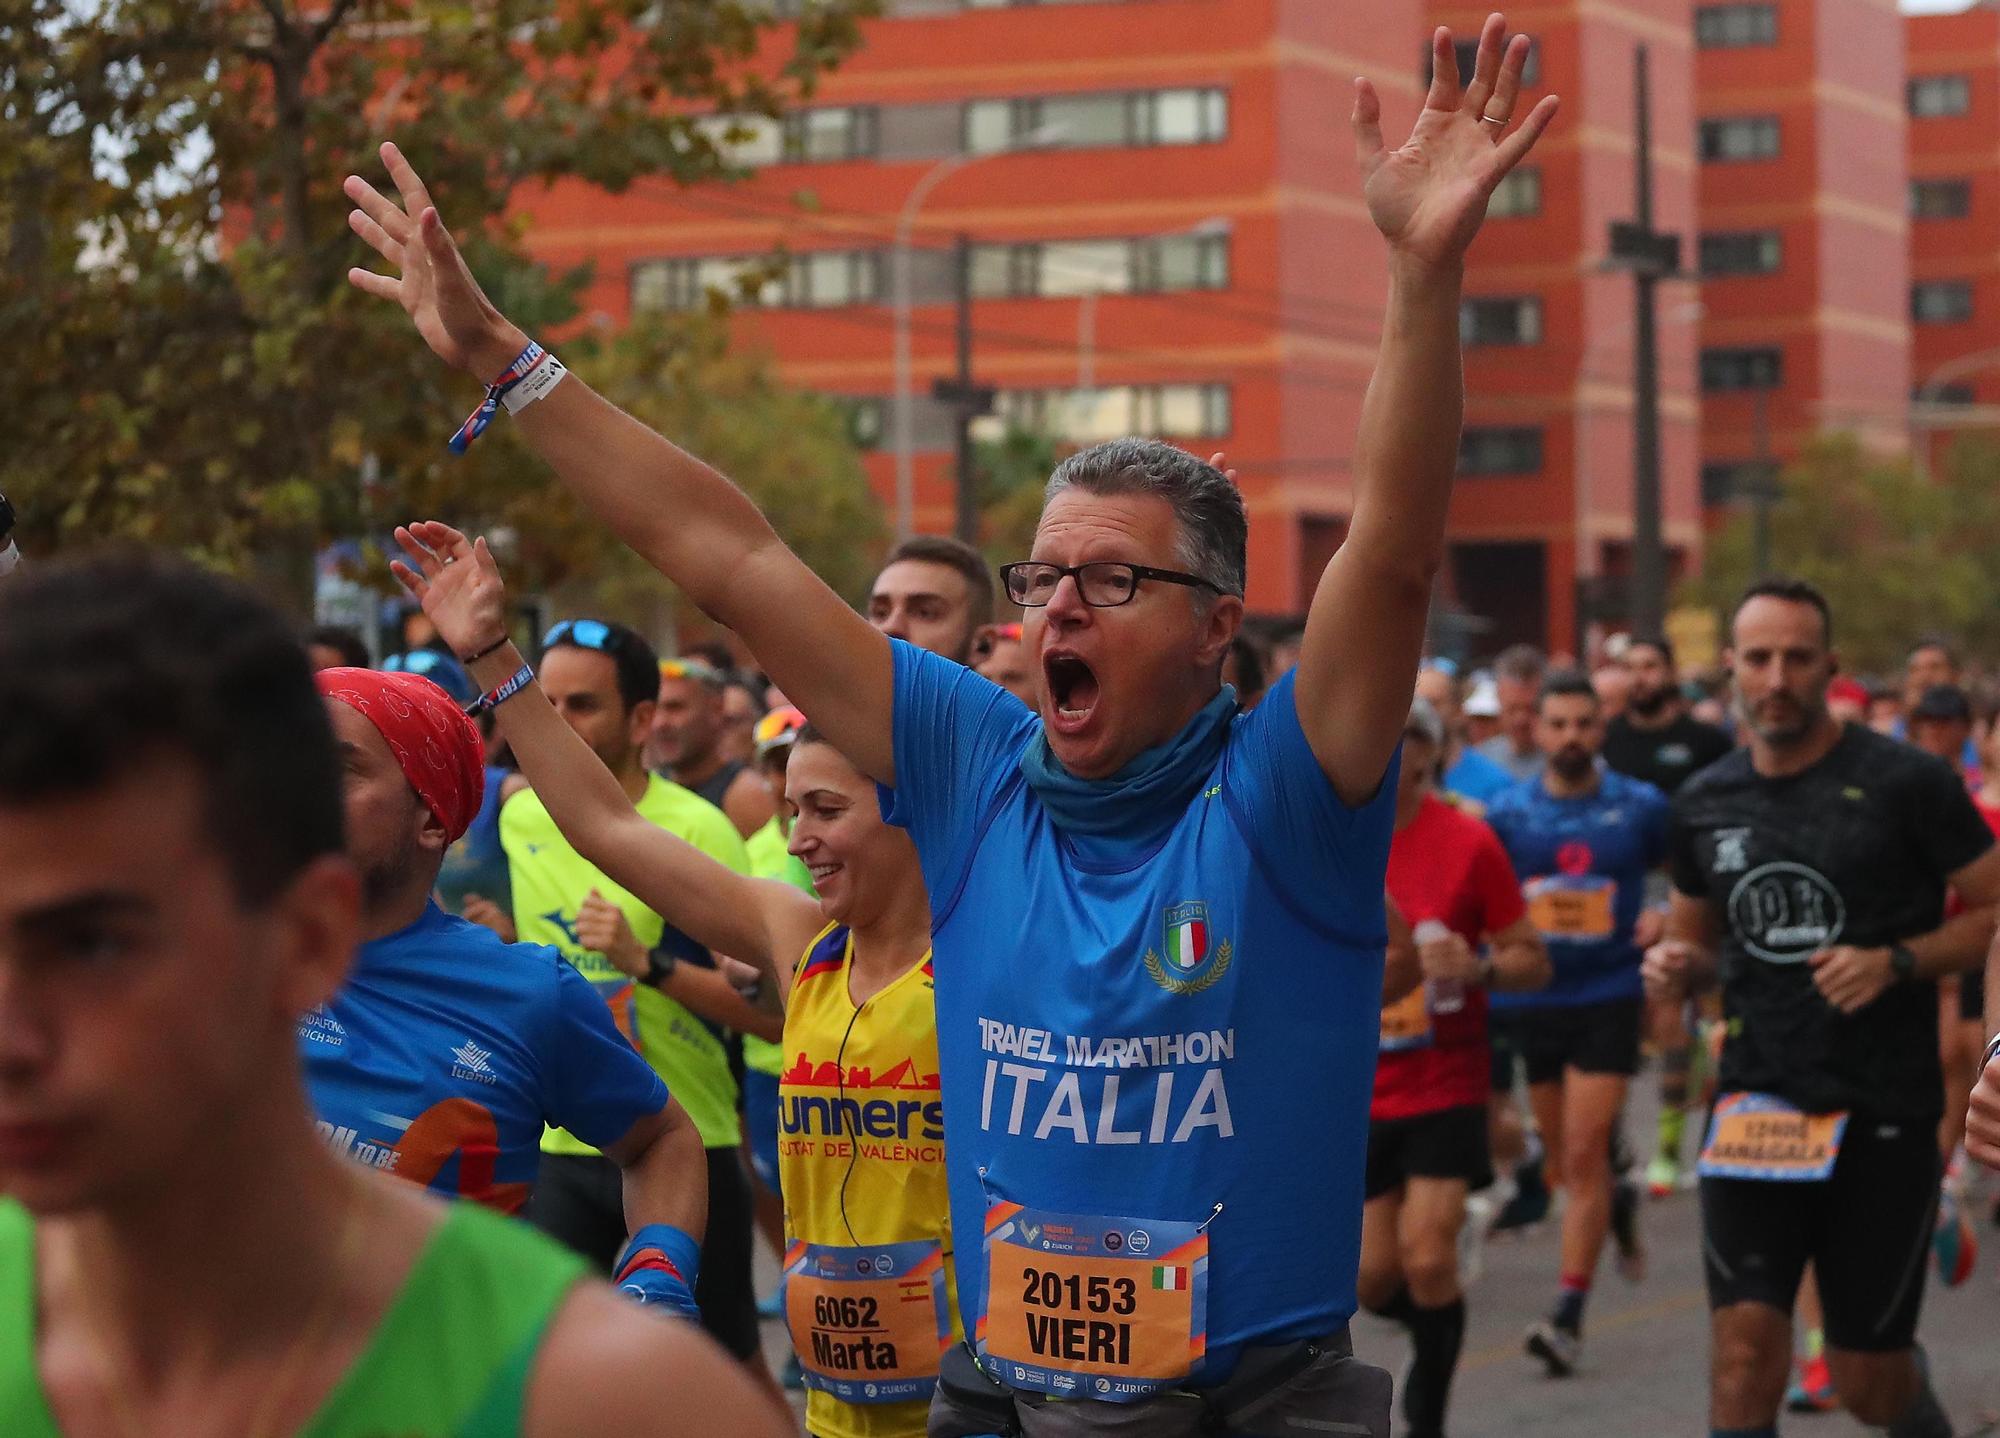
[1450,867]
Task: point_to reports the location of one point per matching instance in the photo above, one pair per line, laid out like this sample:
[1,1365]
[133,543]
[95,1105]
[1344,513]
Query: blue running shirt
[448,1050]
[1583,864]
[1153,1032]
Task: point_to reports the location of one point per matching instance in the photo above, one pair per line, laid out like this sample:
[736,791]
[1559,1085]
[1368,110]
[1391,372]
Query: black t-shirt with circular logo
[1855,850]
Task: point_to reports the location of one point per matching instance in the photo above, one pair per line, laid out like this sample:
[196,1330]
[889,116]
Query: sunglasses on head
[584,633]
[695,669]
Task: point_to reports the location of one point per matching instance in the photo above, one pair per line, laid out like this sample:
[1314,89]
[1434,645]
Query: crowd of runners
[1090,1008]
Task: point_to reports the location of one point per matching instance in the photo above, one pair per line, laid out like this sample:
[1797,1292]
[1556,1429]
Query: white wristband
[535,384]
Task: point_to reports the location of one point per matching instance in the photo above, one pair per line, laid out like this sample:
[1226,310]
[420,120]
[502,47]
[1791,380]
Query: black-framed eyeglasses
[1103,583]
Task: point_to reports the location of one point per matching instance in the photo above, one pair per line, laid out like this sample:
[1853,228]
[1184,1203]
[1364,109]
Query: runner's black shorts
[1450,1143]
[579,1200]
[1866,1229]
[1972,995]
[1600,1038]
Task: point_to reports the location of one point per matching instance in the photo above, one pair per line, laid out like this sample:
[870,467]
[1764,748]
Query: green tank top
[551,881]
[450,1359]
[770,858]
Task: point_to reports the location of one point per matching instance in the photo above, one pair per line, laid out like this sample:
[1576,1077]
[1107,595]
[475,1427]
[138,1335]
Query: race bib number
[1754,1135]
[1406,1024]
[1086,1307]
[870,1325]
[1576,909]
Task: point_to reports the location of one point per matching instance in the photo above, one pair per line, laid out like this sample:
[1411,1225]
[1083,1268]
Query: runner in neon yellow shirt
[869,1277]
[603,677]
[179,1252]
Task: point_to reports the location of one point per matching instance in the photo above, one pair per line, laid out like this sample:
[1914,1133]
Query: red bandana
[438,746]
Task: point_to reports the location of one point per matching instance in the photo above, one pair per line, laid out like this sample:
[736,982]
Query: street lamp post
[906,481]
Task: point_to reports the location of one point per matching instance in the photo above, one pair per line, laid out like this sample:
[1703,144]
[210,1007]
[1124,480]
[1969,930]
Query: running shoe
[1625,1231]
[1812,1388]
[1530,1203]
[1954,1244]
[1663,1176]
[1558,1348]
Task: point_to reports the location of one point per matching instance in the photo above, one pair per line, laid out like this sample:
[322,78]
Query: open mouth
[1072,689]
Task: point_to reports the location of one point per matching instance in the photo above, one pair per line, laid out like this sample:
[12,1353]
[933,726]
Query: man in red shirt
[1427,1143]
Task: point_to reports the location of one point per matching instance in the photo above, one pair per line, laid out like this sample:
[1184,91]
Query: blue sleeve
[955,731]
[594,1083]
[1328,858]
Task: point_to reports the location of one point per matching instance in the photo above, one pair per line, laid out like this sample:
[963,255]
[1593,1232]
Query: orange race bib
[870,1325]
[1578,908]
[1406,1024]
[1753,1135]
[1089,1307]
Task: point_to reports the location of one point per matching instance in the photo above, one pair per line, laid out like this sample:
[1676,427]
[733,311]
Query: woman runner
[868,1291]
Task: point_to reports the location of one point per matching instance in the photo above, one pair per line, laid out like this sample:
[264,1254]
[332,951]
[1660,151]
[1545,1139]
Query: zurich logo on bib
[1193,962]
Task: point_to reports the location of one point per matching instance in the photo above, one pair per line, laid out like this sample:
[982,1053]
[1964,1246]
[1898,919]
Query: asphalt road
[1645,1362]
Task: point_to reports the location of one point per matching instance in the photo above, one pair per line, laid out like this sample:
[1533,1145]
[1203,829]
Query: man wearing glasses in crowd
[1159,924]
[603,679]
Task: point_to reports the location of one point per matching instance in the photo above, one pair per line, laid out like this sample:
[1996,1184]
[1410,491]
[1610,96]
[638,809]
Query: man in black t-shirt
[1655,739]
[1809,873]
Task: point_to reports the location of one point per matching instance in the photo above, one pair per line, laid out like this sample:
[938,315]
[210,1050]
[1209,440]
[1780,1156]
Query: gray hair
[1214,530]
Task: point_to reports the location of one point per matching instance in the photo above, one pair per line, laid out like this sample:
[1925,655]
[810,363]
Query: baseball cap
[1945,702]
[1484,700]
[1424,722]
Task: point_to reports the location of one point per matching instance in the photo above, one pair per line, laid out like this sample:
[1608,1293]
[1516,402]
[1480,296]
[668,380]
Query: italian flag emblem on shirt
[1187,934]
[1169,1278]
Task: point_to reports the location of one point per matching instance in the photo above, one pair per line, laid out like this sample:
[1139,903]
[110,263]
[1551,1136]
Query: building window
[1940,199]
[1941,302]
[1181,411]
[1741,252]
[1500,450]
[1932,96]
[1958,392]
[1736,369]
[823,279]
[1735,27]
[1518,196]
[1744,137]
[1147,265]
[1514,320]
[848,132]
[1137,117]
[1468,58]
[1730,481]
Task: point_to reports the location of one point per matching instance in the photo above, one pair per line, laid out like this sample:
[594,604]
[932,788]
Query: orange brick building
[1805,236]
[1954,101]
[1191,217]
[1542,514]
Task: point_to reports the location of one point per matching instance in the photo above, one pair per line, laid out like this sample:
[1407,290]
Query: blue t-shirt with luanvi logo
[1149,1029]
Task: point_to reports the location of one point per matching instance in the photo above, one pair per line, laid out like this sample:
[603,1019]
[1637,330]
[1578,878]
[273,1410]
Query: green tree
[191,367]
[1013,470]
[790,452]
[1897,556]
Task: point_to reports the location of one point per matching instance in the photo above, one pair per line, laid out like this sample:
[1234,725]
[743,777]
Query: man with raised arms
[1158,923]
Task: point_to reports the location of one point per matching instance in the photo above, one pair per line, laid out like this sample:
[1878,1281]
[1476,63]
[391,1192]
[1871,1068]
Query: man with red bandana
[448,1050]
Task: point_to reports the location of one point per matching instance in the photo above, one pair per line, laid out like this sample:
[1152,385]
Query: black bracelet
[494,648]
[658,971]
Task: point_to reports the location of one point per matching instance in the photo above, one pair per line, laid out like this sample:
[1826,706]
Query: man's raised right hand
[432,282]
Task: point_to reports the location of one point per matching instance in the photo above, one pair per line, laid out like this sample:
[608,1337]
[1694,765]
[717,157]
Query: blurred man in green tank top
[179,1253]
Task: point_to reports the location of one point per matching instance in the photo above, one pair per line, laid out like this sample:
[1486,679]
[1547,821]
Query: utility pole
[967,400]
[1651,256]
[1763,489]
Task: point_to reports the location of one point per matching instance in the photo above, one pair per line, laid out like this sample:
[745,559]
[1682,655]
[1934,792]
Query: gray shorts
[1305,1390]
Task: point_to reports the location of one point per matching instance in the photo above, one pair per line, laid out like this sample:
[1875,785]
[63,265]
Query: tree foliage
[1897,556]
[192,368]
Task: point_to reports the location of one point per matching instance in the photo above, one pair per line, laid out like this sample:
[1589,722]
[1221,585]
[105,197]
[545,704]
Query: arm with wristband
[688,522]
[763,922]
[665,1171]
